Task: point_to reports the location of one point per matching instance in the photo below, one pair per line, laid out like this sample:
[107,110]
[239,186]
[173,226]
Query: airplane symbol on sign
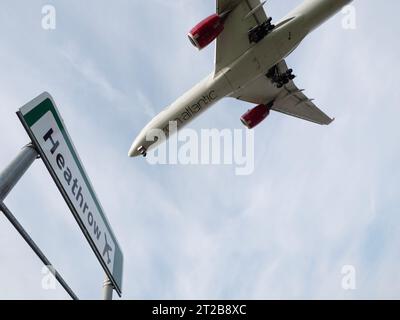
[107,250]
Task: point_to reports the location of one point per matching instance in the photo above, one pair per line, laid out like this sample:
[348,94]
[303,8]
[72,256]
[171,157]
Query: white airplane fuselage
[256,61]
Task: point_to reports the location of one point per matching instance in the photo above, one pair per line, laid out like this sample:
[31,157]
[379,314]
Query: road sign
[44,125]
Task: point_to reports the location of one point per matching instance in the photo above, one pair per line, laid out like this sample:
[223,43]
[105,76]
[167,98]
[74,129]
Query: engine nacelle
[255,116]
[206,31]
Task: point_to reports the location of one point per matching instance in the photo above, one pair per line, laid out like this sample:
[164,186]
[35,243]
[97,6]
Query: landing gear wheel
[279,79]
[259,32]
[272,73]
[143,151]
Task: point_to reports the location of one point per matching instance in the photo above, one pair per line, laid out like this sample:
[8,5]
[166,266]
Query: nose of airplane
[145,141]
[134,152]
[137,148]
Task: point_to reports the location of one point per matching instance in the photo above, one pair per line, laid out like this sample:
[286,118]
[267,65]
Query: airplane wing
[288,99]
[234,41]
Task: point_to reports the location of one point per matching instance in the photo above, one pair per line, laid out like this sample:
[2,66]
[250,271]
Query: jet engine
[255,116]
[206,31]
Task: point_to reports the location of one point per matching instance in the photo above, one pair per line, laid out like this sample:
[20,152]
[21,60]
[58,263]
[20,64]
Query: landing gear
[260,32]
[143,151]
[280,79]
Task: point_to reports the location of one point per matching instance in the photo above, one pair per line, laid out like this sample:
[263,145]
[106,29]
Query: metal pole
[13,173]
[108,289]
[8,179]
[36,249]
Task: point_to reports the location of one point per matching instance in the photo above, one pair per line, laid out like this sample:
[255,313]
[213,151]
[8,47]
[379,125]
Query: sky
[320,198]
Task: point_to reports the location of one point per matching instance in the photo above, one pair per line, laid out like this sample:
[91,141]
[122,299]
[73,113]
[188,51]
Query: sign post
[14,172]
[48,133]
[108,289]
[8,179]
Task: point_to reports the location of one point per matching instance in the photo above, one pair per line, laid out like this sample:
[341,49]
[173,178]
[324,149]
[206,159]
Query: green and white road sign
[44,125]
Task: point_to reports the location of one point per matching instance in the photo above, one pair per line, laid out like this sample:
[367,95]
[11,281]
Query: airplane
[249,66]
[107,250]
